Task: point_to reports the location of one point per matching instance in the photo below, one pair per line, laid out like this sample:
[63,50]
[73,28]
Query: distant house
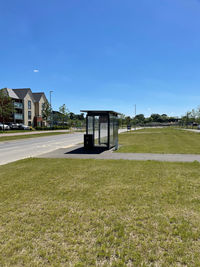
[27,106]
[40,99]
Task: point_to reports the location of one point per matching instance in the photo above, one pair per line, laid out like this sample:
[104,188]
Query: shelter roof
[101,112]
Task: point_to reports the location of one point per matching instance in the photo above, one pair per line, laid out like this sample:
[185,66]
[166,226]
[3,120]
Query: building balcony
[18,105]
[18,116]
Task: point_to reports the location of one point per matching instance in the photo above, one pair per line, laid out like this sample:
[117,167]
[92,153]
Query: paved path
[191,130]
[79,153]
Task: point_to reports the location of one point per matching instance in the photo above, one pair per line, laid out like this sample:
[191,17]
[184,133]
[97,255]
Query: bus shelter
[101,129]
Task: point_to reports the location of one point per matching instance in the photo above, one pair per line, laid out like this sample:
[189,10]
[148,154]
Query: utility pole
[135,116]
[135,109]
[51,109]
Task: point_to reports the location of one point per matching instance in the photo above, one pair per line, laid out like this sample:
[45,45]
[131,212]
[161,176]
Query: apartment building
[27,106]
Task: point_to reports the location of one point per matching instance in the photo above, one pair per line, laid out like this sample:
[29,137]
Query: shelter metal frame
[102,127]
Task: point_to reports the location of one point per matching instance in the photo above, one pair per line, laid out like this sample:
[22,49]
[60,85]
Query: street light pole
[135,116]
[51,109]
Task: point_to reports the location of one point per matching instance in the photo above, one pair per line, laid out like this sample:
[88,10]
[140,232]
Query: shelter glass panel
[115,132]
[90,125]
[96,130]
[103,130]
[111,130]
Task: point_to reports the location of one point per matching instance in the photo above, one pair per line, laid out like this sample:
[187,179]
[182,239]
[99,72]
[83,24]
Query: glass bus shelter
[101,129]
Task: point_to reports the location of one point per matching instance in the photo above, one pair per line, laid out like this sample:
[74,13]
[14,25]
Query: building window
[29,104]
[29,123]
[29,115]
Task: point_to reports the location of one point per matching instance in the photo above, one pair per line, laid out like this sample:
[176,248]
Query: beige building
[28,106]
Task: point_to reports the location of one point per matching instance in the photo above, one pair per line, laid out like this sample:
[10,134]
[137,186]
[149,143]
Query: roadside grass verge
[160,140]
[68,212]
[15,131]
[25,136]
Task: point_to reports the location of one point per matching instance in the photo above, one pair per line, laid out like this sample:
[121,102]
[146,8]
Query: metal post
[99,132]
[135,116]
[87,124]
[93,125]
[108,131]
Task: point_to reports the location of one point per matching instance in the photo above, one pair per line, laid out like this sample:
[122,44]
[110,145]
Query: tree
[6,107]
[156,118]
[198,114]
[64,113]
[128,120]
[46,111]
[139,119]
[80,117]
[72,116]
[164,118]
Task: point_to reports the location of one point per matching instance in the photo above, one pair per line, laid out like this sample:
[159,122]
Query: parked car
[23,127]
[5,127]
[198,127]
[14,126]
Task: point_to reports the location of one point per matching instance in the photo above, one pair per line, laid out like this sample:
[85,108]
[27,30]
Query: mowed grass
[160,140]
[68,212]
[15,131]
[25,136]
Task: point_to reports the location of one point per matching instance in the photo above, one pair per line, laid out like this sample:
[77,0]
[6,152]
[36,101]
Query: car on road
[4,126]
[198,127]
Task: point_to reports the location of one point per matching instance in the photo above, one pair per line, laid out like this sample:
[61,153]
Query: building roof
[100,112]
[37,96]
[22,92]
[11,93]
[56,112]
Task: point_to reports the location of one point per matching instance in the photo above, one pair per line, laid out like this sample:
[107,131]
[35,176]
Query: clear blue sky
[104,54]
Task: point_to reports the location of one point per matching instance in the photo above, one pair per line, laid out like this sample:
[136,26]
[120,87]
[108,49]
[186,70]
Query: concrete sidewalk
[78,152]
[191,130]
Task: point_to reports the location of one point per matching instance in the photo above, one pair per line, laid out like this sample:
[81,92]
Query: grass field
[160,140]
[66,212]
[25,136]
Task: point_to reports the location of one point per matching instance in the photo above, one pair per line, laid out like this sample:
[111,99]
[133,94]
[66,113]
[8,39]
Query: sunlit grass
[160,140]
[67,212]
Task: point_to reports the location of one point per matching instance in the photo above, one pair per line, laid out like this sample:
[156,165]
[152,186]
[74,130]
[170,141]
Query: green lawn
[15,131]
[68,212]
[16,137]
[160,140]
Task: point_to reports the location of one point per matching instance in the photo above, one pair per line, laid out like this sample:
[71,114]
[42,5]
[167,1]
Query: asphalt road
[19,149]
[31,147]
